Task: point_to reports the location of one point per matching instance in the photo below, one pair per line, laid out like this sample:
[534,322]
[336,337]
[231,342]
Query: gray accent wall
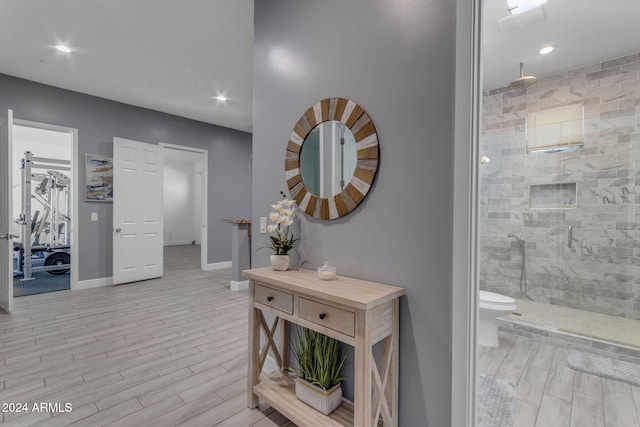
[396,60]
[99,120]
[595,190]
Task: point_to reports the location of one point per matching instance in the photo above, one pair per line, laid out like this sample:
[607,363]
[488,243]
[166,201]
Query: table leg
[362,374]
[253,370]
[284,334]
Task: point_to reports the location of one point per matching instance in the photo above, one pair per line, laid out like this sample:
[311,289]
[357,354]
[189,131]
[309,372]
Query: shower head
[515,236]
[522,81]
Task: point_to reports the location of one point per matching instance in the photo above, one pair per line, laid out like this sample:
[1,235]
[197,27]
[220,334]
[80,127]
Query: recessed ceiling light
[545,50]
[63,48]
[221,98]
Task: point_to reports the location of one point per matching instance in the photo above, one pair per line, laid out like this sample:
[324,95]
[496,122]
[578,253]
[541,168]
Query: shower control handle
[570,239]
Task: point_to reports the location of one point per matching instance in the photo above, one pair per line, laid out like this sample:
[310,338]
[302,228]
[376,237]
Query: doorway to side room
[43,197]
[185,201]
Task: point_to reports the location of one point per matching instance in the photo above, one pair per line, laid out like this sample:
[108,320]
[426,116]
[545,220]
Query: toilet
[492,306]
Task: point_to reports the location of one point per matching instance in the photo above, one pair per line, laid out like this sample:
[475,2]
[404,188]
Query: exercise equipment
[45,241]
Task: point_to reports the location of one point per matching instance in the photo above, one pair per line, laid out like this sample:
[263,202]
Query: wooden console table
[356,312]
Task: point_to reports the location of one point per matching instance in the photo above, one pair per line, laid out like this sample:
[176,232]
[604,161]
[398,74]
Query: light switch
[263,224]
[94,216]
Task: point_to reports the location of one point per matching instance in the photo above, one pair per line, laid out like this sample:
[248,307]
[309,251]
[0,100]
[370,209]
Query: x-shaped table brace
[269,342]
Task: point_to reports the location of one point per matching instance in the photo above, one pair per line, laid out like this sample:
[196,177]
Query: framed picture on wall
[98,178]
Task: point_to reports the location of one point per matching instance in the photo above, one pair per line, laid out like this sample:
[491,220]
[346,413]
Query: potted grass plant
[320,359]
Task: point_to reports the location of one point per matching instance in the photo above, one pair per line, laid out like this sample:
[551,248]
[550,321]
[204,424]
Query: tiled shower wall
[601,270]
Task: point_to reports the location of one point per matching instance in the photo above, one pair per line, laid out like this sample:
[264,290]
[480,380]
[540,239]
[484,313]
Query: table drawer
[279,300]
[329,316]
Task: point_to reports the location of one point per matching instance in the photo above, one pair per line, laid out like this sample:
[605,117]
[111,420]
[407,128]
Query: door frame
[465,267]
[75,191]
[6,289]
[205,195]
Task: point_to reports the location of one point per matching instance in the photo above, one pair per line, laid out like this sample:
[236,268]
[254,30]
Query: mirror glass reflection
[328,159]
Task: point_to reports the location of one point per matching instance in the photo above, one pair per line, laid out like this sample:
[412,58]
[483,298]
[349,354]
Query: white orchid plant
[281,239]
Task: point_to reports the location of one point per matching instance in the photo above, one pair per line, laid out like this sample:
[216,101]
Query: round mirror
[328,159]
[332,158]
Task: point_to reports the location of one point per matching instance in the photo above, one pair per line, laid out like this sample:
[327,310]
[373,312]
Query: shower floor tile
[604,327]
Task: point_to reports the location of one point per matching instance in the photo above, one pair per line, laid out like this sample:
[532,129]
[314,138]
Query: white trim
[321,159]
[7,288]
[205,197]
[180,243]
[93,283]
[334,161]
[465,213]
[239,286]
[217,266]
[75,182]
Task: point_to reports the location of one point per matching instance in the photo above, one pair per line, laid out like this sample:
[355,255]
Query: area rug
[603,366]
[496,402]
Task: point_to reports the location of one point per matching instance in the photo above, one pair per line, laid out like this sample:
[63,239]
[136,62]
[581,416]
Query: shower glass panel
[577,211]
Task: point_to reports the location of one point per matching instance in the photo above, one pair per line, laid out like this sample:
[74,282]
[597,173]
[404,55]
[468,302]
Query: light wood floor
[552,395]
[165,352]
[172,352]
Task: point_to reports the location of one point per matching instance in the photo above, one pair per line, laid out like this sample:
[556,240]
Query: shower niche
[553,196]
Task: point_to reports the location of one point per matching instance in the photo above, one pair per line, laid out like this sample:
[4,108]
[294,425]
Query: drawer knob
[322,316]
[269,298]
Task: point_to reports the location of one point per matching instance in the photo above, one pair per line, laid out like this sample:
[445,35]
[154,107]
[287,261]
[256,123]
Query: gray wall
[98,121]
[601,271]
[397,60]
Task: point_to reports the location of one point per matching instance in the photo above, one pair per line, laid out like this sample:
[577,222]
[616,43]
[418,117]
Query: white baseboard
[239,286]
[93,283]
[217,266]
[179,243]
[270,365]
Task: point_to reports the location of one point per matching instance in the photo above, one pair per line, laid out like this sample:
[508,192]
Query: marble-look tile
[629,59]
[607,177]
[596,75]
[581,323]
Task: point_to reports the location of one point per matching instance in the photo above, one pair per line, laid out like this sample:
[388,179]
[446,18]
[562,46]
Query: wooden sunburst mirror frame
[361,126]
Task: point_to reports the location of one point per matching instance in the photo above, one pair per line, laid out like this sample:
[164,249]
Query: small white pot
[280,262]
[320,400]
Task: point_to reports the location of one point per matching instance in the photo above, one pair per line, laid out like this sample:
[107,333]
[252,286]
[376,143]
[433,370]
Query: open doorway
[43,201]
[185,202]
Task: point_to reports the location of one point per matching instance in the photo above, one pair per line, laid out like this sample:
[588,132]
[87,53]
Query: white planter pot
[320,400]
[280,262]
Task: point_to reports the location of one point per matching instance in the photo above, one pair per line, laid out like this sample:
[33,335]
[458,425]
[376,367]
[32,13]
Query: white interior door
[6,245]
[137,211]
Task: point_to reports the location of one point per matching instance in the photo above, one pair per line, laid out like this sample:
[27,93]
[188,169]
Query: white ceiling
[173,56]
[176,56]
[583,32]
